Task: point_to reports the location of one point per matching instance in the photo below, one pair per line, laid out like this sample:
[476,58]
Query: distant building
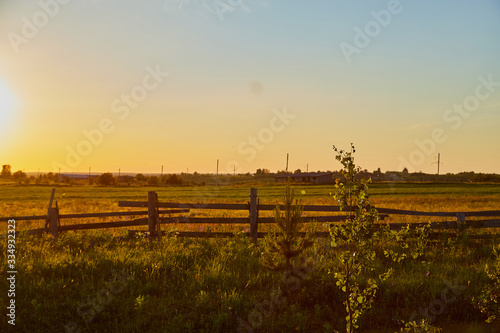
[311,177]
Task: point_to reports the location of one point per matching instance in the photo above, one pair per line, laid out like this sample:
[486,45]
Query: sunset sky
[134,85]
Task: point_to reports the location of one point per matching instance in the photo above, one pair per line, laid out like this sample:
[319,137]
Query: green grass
[183,285]
[268,193]
[197,285]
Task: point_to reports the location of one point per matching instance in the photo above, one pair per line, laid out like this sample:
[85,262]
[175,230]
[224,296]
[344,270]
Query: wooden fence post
[52,197]
[153,219]
[47,222]
[253,214]
[53,216]
[460,223]
[157,225]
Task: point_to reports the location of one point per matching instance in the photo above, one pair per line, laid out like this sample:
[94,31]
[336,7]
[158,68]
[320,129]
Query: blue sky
[225,78]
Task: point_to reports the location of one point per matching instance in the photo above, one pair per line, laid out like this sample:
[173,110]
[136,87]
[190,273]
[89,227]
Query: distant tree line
[261,174]
[107,179]
[405,176]
[22,178]
[18,176]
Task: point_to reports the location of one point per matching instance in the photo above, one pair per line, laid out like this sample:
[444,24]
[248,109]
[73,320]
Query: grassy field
[26,200]
[33,200]
[104,281]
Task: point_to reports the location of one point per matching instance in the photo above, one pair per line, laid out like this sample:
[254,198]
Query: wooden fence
[155,217]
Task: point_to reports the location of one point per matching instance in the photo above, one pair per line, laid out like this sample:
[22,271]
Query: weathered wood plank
[87,226]
[318,208]
[483,213]
[246,220]
[52,197]
[254,213]
[53,218]
[84,215]
[414,213]
[411,212]
[483,224]
[446,224]
[434,225]
[104,225]
[24,218]
[226,234]
[185,205]
[153,214]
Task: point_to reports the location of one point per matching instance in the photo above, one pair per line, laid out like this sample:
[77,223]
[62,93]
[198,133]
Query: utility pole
[286,162]
[89,175]
[161,171]
[217,175]
[438,163]
[307,167]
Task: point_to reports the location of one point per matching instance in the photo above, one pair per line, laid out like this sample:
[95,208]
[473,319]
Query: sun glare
[6,98]
[7,105]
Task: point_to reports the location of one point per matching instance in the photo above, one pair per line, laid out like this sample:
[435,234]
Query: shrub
[172,179]
[488,301]
[140,178]
[357,242]
[283,247]
[106,179]
[153,181]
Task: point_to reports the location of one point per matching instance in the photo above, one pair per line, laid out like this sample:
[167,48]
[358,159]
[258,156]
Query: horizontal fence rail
[24,218]
[87,215]
[185,205]
[156,217]
[416,213]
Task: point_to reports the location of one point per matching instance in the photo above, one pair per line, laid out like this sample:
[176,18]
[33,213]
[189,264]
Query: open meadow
[188,166]
[107,281]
